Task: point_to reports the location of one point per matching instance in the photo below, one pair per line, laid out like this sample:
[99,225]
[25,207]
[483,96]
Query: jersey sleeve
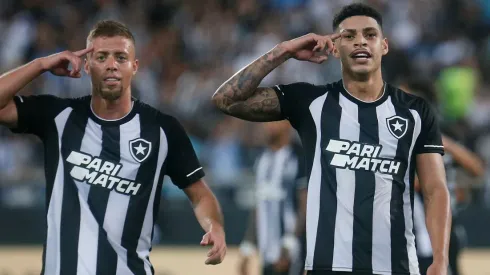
[34,113]
[301,181]
[295,98]
[429,140]
[183,166]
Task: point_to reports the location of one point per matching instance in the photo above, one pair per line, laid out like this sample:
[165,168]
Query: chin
[111,95]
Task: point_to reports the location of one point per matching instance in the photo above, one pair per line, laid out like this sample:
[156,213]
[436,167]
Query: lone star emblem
[140,149]
[397,126]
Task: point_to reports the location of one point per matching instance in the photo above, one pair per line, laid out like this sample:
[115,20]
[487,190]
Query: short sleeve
[429,139]
[35,113]
[183,166]
[295,98]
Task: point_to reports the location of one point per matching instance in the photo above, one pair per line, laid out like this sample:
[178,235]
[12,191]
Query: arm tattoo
[240,95]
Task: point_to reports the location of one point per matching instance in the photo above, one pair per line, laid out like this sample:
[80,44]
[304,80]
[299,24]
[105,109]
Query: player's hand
[216,238]
[243,266]
[282,265]
[311,47]
[437,268]
[58,63]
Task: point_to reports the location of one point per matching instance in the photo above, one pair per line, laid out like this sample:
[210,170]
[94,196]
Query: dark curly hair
[356,9]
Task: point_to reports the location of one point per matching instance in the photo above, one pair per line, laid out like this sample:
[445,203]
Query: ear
[335,51]
[85,64]
[384,45]
[135,66]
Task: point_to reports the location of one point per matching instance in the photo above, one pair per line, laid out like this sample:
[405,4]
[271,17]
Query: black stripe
[330,125]
[364,194]
[98,198]
[399,253]
[51,160]
[139,202]
[70,211]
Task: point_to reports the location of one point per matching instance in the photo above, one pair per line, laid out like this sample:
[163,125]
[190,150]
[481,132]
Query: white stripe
[407,206]
[346,184]
[89,228]
[52,261]
[382,196]
[433,146]
[117,204]
[193,172]
[20,98]
[144,242]
[314,184]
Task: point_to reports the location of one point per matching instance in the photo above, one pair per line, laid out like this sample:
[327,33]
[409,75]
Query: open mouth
[361,55]
[112,80]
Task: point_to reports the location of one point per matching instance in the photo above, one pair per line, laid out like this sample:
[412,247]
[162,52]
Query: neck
[111,109]
[366,89]
[279,143]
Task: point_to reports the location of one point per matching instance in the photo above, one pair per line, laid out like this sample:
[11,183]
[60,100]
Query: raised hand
[311,47]
[58,64]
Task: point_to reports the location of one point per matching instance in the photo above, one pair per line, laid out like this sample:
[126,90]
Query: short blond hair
[110,28]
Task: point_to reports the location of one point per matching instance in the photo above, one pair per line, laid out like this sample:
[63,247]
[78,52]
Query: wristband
[291,243]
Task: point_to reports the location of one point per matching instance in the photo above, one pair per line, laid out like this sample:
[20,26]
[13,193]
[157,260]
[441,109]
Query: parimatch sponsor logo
[100,172]
[361,156]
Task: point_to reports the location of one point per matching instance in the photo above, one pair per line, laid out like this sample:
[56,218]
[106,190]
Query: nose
[360,41]
[111,64]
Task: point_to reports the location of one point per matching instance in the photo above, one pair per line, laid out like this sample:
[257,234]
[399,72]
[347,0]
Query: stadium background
[186,50]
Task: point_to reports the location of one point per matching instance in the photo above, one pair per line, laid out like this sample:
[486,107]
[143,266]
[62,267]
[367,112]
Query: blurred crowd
[187,48]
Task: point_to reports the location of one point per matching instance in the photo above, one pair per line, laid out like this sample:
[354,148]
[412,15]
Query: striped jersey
[104,179]
[360,161]
[279,175]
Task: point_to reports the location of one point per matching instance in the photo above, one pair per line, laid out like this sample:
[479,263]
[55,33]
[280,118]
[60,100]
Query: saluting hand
[216,238]
[58,63]
[311,47]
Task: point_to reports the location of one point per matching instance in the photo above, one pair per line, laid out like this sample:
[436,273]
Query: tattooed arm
[240,95]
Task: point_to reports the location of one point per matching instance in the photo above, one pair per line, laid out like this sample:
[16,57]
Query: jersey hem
[431,150]
[348,269]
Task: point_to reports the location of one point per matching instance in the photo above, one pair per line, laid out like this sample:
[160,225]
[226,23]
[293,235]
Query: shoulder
[300,89]
[401,98]
[168,123]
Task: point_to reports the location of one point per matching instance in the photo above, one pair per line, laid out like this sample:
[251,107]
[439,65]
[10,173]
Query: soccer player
[363,139]
[277,224]
[105,157]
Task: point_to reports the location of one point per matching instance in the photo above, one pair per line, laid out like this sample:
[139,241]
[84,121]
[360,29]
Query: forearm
[438,220]
[243,84]
[208,213]
[13,81]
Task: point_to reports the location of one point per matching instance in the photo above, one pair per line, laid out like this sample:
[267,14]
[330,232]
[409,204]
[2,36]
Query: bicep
[431,172]
[8,115]
[263,106]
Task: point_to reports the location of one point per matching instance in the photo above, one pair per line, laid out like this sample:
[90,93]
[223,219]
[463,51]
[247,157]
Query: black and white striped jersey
[279,175]
[104,179]
[360,159]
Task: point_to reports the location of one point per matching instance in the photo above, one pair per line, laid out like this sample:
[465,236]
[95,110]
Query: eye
[348,36]
[100,58]
[371,35]
[121,58]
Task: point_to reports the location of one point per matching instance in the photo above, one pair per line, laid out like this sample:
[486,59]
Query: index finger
[84,51]
[334,36]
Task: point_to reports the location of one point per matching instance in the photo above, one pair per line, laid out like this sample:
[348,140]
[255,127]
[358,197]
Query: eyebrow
[107,52]
[364,30]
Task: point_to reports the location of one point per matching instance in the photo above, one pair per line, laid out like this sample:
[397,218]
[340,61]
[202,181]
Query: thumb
[206,239]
